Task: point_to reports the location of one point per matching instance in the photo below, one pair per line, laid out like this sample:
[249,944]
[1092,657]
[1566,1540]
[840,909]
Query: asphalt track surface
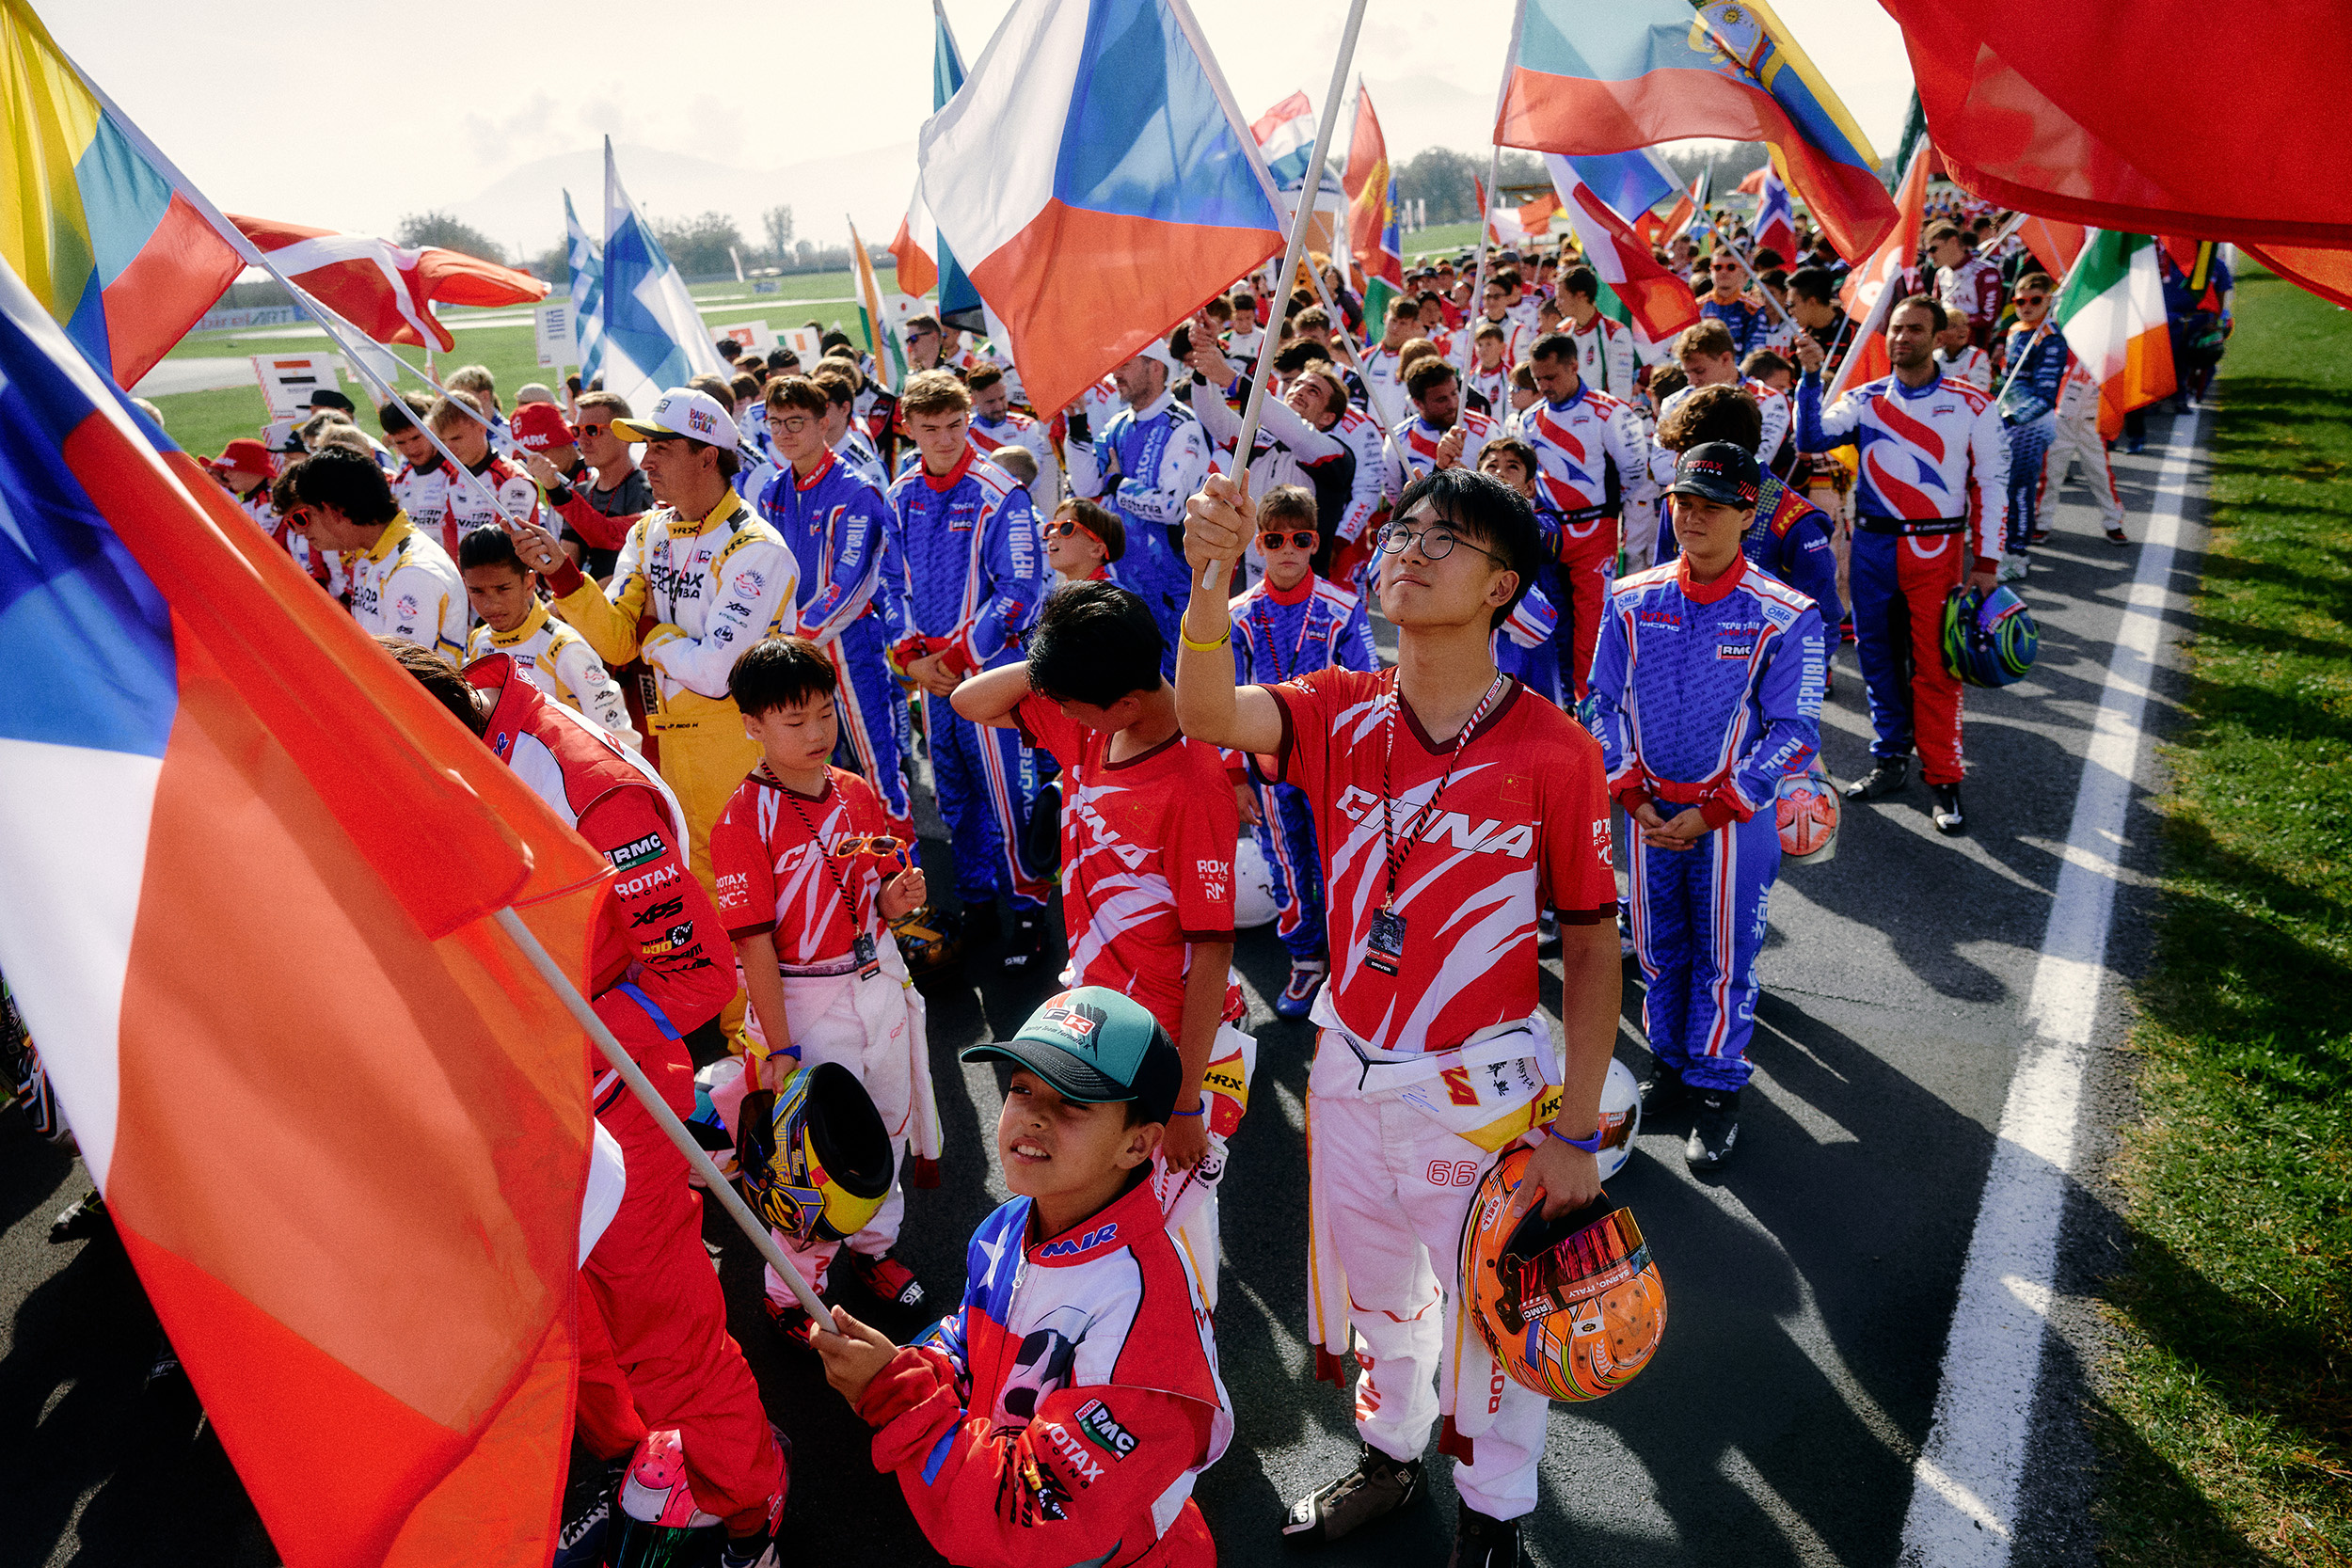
[1811,1286]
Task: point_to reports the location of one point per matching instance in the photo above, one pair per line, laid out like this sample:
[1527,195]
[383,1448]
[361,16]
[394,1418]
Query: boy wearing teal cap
[1063,1410]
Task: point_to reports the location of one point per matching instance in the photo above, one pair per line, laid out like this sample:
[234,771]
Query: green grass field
[206,421]
[2227,1426]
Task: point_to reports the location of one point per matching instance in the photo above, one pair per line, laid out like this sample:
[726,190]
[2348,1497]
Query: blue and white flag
[587,266]
[654,337]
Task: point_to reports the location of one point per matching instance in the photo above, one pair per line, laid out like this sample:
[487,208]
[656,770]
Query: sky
[334,117]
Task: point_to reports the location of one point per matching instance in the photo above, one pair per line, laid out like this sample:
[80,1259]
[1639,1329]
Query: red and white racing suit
[1592,465]
[1063,1412]
[463,508]
[661,966]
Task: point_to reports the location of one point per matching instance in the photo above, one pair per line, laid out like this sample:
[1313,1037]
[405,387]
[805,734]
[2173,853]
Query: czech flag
[1372,232]
[340,1125]
[385,290]
[1098,182]
[1588,78]
[1775,227]
[1655,303]
[96,222]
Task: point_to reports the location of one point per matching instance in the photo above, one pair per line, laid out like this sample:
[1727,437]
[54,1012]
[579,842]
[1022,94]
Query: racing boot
[1377,1485]
[81,1220]
[886,1277]
[790,1322]
[1714,1131]
[1891,774]
[1024,944]
[1949,819]
[1297,997]
[1661,1091]
[1483,1542]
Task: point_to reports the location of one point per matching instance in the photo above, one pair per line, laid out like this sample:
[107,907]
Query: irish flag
[2112,308]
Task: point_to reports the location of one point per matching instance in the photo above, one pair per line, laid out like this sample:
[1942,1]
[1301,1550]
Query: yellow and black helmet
[817,1160]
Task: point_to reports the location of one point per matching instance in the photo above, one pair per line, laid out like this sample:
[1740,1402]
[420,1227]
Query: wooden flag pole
[1211,571]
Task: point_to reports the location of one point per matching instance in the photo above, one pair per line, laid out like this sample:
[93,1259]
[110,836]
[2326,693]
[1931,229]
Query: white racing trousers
[876,1029]
[1396,1145]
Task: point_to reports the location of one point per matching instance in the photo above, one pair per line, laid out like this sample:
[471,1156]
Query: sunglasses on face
[2031,299]
[1065,527]
[593,428]
[1300,539]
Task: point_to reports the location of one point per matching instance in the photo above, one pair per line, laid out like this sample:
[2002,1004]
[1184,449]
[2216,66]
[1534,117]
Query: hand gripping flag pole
[1213,571]
[666,1119]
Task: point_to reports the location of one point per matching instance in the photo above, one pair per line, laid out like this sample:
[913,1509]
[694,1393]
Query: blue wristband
[1199,1110]
[1590,1146]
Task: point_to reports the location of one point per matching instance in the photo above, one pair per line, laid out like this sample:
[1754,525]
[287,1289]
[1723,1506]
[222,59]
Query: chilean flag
[385,290]
[342,1127]
[1775,223]
[1098,182]
[1595,78]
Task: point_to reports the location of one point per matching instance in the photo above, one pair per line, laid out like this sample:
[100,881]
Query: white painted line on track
[1965,1487]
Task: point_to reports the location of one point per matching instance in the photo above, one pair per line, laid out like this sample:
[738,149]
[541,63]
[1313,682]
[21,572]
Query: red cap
[538,426]
[244,456]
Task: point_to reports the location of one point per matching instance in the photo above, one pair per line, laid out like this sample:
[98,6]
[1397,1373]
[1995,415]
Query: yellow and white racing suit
[560,662]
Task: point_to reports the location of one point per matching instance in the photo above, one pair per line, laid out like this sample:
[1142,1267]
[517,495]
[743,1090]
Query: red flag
[1367,182]
[2055,242]
[1753,183]
[384,291]
[340,1125]
[2072,108]
[1536,215]
[2326,273]
[1871,288]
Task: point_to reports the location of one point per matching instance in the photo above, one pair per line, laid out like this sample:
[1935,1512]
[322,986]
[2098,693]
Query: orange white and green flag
[2112,308]
[881,330]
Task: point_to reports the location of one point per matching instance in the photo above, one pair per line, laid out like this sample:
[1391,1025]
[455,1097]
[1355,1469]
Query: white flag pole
[1300,217]
[666,1119]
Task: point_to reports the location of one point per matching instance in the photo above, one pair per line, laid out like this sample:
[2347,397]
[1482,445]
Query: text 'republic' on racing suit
[1591,483]
[1931,498]
[975,578]
[838,525]
[655,1349]
[1062,1413]
[1145,465]
[689,596]
[1705,695]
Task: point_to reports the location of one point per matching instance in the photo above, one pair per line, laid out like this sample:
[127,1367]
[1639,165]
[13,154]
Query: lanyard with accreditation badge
[862,948]
[1383,944]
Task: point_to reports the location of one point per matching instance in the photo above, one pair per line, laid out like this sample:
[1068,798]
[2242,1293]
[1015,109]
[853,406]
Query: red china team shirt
[1147,860]
[1523,822]
[771,868]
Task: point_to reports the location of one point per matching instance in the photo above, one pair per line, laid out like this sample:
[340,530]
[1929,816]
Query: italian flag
[2112,308]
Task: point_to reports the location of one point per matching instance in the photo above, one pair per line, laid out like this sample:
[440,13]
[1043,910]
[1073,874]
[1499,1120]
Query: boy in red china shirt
[809,878]
[1149,829]
[1451,805]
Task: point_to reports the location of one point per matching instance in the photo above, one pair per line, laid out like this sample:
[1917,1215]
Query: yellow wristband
[1185,637]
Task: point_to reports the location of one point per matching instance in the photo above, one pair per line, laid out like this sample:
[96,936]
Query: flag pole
[1477,311]
[1355,350]
[666,1119]
[1300,218]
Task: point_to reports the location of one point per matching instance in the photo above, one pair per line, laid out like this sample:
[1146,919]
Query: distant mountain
[524,209]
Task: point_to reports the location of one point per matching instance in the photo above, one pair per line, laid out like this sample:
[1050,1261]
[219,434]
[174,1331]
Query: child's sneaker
[1299,997]
[885,1278]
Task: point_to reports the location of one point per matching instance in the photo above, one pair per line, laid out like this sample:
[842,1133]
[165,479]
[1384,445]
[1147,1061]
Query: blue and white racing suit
[1705,696]
[1279,637]
[838,525]
[974,577]
[1145,465]
[2036,361]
